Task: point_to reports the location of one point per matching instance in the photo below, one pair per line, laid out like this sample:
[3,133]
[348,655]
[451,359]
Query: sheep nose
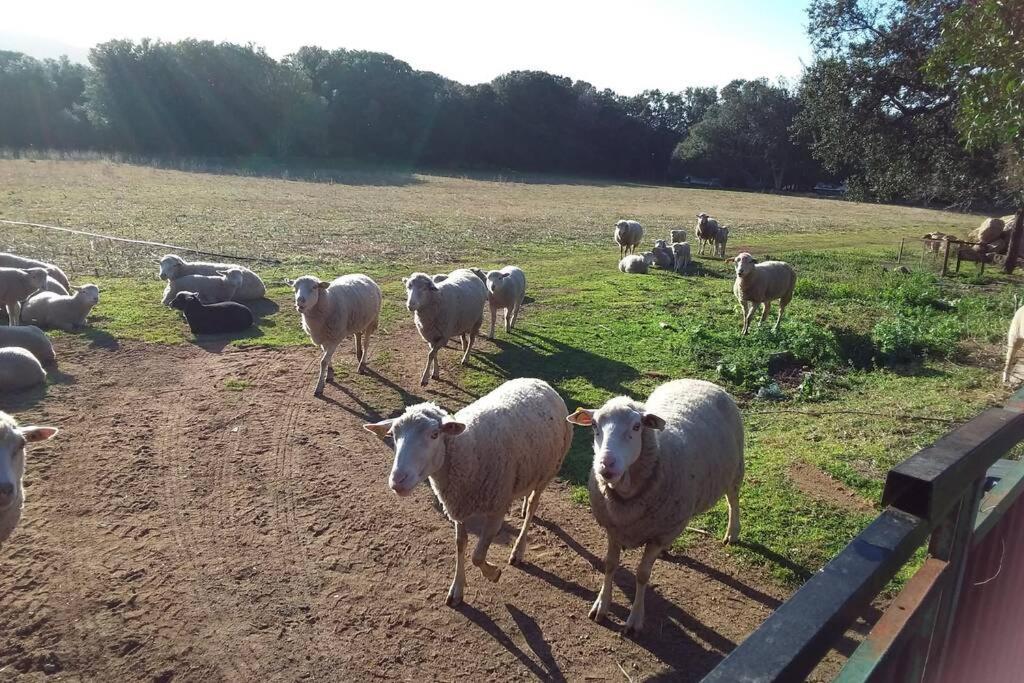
[6,490]
[400,481]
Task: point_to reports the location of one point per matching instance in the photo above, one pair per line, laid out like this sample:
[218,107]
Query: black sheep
[222,318]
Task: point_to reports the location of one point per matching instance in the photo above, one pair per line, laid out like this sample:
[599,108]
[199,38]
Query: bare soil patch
[821,486]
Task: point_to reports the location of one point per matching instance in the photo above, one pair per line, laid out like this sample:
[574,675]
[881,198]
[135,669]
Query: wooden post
[945,257]
[1015,238]
[899,256]
[957,269]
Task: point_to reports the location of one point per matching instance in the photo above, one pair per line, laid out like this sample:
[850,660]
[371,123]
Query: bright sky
[628,45]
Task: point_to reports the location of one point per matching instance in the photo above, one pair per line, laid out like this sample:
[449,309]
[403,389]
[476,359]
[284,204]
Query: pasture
[202,516]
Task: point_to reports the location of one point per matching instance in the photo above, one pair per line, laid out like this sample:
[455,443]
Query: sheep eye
[636,427]
[433,435]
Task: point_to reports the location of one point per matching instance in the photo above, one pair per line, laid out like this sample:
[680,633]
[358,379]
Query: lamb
[720,239]
[506,288]
[332,311]
[30,338]
[678,236]
[212,289]
[1014,341]
[12,469]
[707,231]
[761,283]
[508,444]
[221,318]
[635,263]
[13,261]
[173,267]
[63,312]
[628,235]
[681,255]
[54,286]
[443,310]
[17,285]
[657,465]
[19,369]
[663,257]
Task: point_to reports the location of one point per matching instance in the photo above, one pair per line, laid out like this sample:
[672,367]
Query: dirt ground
[202,517]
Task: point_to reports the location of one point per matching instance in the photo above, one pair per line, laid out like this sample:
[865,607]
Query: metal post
[899,256]
[945,257]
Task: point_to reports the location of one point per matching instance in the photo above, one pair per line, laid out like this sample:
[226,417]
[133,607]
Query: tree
[41,102]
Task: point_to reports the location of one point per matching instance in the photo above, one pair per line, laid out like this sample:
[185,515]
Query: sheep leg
[454,598]
[13,313]
[765,307]
[326,371]
[431,361]
[1011,358]
[519,549]
[526,501]
[778,321]
[635,622]
[490,571]
[604,598]
[462,342]
[359,345]
[733,532]
[364,353]
[494,314]
[748,314]
[465,356]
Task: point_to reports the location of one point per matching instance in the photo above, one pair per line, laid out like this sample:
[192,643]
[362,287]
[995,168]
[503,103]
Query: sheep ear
[290,283]
[405,280]
[582,417]
[653,421]
[432,286]
[452,428]
[323,285]
[37,434]
[381,428]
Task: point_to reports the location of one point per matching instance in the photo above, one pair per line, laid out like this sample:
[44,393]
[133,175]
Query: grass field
[861,354]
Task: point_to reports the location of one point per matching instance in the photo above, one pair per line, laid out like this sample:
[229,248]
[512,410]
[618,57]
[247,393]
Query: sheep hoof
[491,572]
[597,611]
[318,392]
[631,630]
[454,598]
[423,382]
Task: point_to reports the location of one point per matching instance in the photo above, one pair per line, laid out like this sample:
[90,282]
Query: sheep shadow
[301,171]
[697,268]
[99,339]
[547,670]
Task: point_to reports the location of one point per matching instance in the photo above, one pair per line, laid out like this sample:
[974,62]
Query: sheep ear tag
[582,417]
[37,434]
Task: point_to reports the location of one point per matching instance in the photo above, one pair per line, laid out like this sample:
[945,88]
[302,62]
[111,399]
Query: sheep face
[37,277]
[420,290]
[170,267]
[182,299]
[660,244]
[233,276]
[494,280]
[12,456]
[89,294]
[618,435]
[744,264]
[419,445]
[307,292]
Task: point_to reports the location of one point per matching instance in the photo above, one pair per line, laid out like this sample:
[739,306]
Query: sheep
[628,235]
[54,286]
[212,289]
[12,469]
[707,231]
[636,264]
[444,310]
[220,318]
[30,338]
[663,257]
[173,267]
[332,311]
[17,285]
[13,261]
[506,288]
[989,231]
[440,277]
[507,444]
[1014,341]
[761,283]
[720,239]
[681,255]
[19,369]
[657,465]
[677,236]
[63,312]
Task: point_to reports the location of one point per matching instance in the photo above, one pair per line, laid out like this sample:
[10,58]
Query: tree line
[869,110]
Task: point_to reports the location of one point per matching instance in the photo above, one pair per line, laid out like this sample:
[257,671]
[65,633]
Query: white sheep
[636,263]
[13,261]
[677,236]
[628,235]
[506,288]
[350,305]
[507,444]
[173,267]
[13,440]
[17,285]
[720,239]
[761,283]
[657,465]
[1014,341]
[30,338]
[61,311]
[19,369]
[681,255]
[663,257]
[212,289]
[443,310]
[54,286]
[707,232]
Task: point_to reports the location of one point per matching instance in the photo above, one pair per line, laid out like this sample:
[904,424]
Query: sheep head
[744,264]
[420,435]
[307,291]
[619,427]
[12,455]
[420,289]
[170,267]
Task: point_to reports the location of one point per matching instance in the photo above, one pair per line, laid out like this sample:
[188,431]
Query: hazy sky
[627,46]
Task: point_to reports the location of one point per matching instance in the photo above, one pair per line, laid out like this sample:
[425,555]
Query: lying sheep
[657,465]
[677,236]
[506,288]
[220,318]
[761,283]
[17,285]
[332,311]
[54,286]
[720,239]
[1014,341]
[61,311]
[173,267]
[662,254]
[30,338]
[442,310]
[508,444]
[635,263]
[212,289]
[19,369]
[707,232]
[681,255]
[12,469]
[628,235]
[13,261]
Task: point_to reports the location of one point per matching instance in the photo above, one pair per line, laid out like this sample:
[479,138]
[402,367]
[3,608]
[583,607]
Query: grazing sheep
[13,261]
[173,267]
[64,312]
[350,305]
[657,465]
[19,369]
[12,469]
[681,255]
[628,235]
[663,257]
[506,288]
[761,283]
[507,444]
[1014,341]
[17,285]
[442,310]
[212,289]
[720,239]
[220,318]
[636,263]
[677,236]
[707,232]
[30,338]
